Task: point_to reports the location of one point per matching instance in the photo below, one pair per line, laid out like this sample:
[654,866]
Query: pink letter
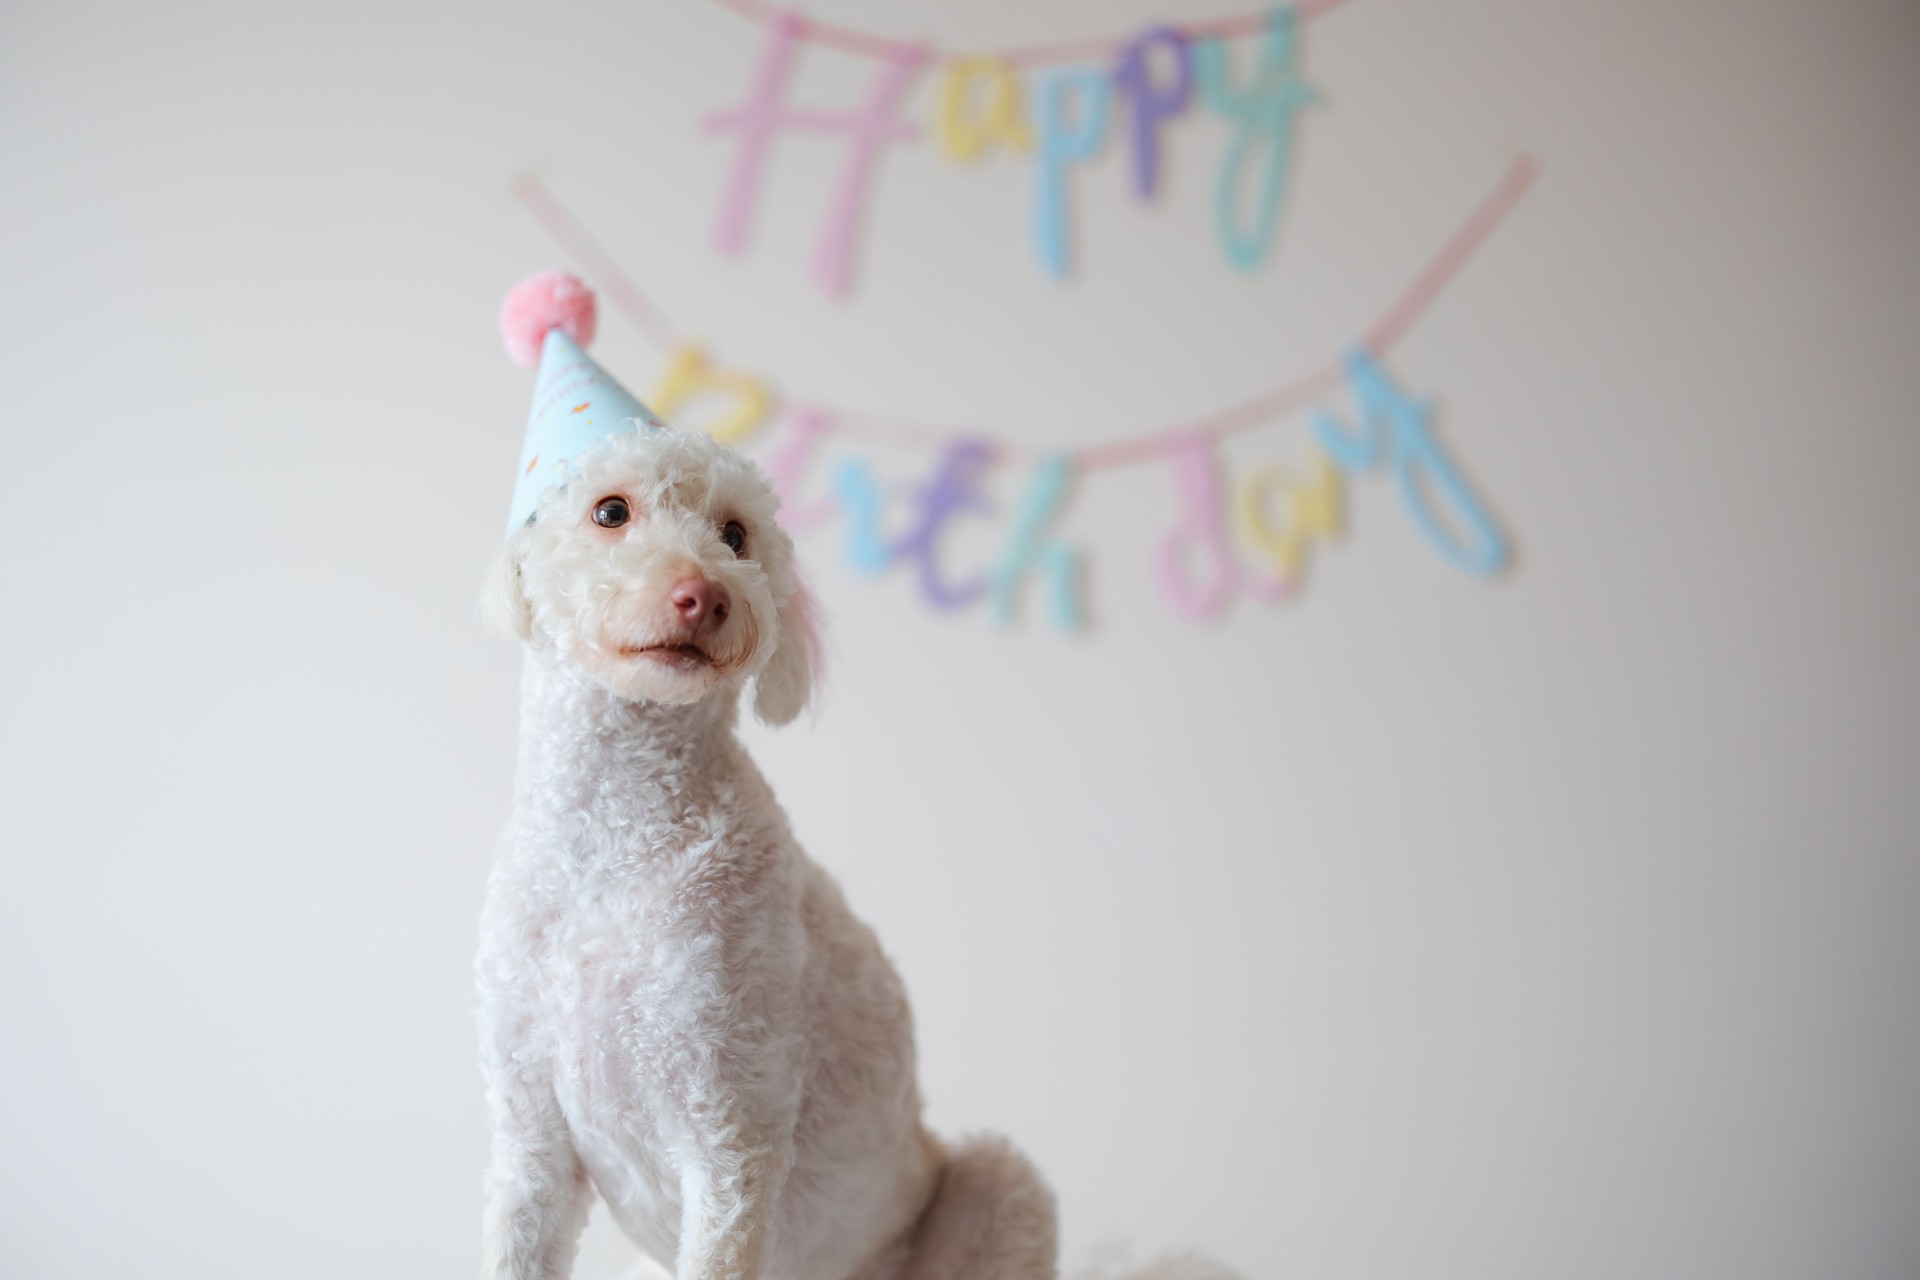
[1201,533]
[866,129]
[787,465]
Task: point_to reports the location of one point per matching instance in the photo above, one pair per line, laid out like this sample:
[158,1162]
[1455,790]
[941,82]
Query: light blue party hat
[575,401]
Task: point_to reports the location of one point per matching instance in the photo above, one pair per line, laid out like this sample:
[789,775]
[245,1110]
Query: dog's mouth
[680,656]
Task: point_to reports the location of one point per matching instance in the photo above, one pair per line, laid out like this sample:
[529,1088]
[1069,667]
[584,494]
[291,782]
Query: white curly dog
[676,1005]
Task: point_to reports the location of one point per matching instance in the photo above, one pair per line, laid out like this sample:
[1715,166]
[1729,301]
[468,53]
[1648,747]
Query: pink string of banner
[1378,339]
[866,44]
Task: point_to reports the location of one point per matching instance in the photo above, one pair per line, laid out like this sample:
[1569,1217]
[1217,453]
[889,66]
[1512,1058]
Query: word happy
[982,104]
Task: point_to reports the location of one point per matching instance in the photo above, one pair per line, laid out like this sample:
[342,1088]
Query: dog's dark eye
[735,537]
[611,513]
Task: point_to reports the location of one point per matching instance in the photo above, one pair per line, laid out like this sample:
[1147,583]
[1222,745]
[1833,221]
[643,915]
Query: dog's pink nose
[701,604]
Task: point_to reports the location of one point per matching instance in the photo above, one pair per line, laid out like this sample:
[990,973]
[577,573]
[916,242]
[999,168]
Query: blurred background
[1560,924]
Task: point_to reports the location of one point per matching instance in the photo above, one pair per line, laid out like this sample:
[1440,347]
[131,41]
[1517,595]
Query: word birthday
[982,104]
[1222,523]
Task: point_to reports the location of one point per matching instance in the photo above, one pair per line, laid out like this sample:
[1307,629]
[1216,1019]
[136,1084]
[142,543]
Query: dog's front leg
[727,1199]
[537,1191]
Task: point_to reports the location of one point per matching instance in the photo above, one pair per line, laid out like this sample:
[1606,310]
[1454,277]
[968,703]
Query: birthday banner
[1228,534]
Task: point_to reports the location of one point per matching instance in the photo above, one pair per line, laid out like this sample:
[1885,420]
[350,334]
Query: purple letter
[1152,103]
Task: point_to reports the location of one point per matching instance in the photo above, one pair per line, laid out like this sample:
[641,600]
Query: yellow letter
[1311,511]
[688,376]
[1005,120]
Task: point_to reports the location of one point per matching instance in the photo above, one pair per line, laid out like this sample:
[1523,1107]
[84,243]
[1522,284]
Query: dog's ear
[504,607]
[787,683]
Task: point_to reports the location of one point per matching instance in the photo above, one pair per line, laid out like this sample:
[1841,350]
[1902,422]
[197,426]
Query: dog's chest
[599,979]
[621,980]
[644,1014]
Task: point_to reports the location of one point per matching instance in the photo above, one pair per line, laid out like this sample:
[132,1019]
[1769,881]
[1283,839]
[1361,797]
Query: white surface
[1563,927]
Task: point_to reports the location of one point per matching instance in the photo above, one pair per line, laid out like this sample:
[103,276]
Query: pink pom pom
[550,300]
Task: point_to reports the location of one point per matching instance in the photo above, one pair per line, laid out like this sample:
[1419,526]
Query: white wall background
[1562,927]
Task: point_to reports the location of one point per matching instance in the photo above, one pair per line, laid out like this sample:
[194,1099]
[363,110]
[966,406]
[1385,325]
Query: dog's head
[658,569]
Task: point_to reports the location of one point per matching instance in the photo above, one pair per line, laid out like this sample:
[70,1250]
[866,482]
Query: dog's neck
[588,752]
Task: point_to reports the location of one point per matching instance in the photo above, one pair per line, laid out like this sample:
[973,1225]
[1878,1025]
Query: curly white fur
[677,1007]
